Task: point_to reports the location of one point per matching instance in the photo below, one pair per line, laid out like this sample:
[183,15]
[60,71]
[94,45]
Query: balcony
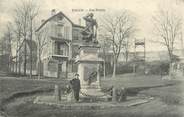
[60,39]
[60,57]
[60,51]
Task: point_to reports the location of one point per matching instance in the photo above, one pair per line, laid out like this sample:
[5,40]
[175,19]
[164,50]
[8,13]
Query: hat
[91,14]
[76,74]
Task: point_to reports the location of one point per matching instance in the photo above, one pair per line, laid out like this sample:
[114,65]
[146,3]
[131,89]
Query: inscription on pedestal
[90,73]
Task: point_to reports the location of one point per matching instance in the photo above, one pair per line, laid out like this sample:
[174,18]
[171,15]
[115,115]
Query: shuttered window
[66,32]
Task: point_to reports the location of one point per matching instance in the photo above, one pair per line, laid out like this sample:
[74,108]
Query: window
[60,18]
[61,49]
[75,35]
[59,30]
[61,52]
[75,50]
[66,32]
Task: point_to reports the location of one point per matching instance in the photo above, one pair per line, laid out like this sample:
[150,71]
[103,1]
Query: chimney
[53,12]
[80,21]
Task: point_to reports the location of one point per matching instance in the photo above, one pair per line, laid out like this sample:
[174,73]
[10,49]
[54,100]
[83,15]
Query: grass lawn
[170,95]
[173,94]
[157,108]
[131,81]
[11,86]
[153,109]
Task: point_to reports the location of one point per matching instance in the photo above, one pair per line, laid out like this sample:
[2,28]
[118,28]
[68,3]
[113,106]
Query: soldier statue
[90,31]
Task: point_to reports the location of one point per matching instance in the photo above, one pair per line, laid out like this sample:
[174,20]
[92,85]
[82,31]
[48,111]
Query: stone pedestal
[88,70]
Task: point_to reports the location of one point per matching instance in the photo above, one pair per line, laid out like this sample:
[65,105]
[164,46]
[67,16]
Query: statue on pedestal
[90,31]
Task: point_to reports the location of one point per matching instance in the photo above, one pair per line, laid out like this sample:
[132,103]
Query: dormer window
[60,23]
[59,30]
[60,20]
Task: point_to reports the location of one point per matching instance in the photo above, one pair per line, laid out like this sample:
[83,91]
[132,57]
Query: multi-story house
[63,38]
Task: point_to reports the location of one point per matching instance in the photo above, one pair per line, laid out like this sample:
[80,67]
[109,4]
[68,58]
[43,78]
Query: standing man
[75,83]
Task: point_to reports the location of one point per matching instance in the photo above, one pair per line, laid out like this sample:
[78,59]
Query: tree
[118,28]
[104,47]
[25,13]
[126,48]
[41,38]
[18,32]
[168,25]
[7,44]
[21,12]
[34,9]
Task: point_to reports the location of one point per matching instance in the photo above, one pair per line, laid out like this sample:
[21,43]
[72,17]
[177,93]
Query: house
[63,39]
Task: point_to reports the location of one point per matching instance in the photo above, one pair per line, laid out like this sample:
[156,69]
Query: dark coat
[75,83]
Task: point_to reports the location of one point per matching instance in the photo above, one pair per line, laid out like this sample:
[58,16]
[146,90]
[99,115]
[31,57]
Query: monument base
[93,95]
[50,100]
[89,74]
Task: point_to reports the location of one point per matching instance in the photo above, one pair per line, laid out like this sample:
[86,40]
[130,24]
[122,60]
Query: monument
[89,75]
[90,31]
[89,62]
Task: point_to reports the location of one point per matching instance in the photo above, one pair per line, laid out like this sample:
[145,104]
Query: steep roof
[59,13]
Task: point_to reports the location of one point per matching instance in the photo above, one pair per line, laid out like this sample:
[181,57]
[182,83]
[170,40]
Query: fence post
[57,93]
[114,95]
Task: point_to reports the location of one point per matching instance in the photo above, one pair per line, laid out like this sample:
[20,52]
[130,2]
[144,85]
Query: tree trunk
[39,68]
[104,69]
[31,56]
[19,64]
[16,64]
[104,66]
[170,70]
[25,56]
[17,56]
[9,64]
[114,69]
[126,57]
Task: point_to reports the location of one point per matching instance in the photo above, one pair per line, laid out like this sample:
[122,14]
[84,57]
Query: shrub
[124,68]
[173,100]
[158,67]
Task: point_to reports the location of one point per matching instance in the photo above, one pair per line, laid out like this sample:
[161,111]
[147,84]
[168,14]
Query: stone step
[81,105]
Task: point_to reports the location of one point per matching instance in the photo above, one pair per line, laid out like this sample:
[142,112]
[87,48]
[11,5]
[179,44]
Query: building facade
[62,41]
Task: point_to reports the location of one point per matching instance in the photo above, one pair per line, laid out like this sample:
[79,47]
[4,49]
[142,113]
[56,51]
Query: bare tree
[7,42]
[118,28]
[126,48]
[21,12]
[167,27]
[105,48]
[34,10]
[26,12]
[18,32]
[41,38]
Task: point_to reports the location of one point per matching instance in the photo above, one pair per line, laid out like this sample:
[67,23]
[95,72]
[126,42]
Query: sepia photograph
[91,58]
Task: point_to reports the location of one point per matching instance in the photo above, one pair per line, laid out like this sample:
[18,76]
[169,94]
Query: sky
[143,10]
